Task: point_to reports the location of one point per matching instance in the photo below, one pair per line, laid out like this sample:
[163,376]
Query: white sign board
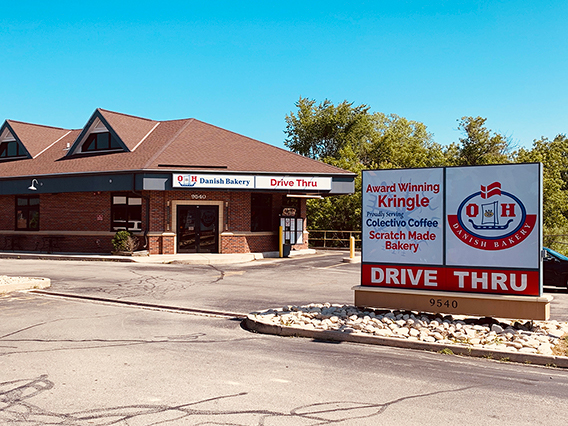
[469,229]
[492,216]
[403,216]
[227,181]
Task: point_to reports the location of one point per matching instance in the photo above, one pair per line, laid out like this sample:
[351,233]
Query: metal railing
[330,239]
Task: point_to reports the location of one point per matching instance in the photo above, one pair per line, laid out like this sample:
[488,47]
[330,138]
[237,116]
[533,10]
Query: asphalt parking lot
[78,361]
[238,288]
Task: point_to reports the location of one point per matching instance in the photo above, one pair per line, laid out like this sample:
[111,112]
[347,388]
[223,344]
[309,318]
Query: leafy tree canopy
[479,145]
[553,154]
[321,131]
[353,138]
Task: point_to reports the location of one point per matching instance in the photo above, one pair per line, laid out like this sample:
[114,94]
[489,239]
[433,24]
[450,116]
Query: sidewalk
[185,258]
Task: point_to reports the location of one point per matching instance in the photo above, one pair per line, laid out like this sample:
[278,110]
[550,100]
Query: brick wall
[84,220]
[7,212]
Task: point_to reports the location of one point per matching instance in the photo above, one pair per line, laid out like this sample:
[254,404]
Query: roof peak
[102,110]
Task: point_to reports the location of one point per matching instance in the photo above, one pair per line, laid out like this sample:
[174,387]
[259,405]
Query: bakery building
[180,186]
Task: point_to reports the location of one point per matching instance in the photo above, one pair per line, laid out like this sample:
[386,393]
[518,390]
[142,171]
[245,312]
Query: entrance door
[197,229]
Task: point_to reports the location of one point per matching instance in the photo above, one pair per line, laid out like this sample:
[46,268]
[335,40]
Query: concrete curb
[28,284]
[336,336]
[191,259]
[219,259]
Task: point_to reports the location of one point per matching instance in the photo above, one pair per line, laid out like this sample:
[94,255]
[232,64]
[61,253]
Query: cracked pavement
[79,362]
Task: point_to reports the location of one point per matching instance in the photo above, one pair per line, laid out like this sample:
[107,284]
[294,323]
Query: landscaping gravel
[531,337]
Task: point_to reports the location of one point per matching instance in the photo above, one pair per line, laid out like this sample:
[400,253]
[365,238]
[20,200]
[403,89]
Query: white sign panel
[492,216]
[298,183]
[403,216]
[293,183]
[212,181]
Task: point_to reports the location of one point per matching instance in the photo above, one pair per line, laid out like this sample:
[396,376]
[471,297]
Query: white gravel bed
[537,337]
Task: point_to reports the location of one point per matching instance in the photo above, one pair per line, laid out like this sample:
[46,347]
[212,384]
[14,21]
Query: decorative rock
[532,343]
[531,337]
[403,331]
[556,333]
[497,328]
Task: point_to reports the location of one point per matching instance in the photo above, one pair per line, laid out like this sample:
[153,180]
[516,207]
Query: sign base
[500,306]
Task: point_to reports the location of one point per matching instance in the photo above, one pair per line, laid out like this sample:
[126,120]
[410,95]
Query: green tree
[479,145]
[401,143]
[352,138]
[341,212]
[553,154]
[321,131]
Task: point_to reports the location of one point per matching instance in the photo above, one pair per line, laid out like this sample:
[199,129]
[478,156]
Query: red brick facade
[82,221]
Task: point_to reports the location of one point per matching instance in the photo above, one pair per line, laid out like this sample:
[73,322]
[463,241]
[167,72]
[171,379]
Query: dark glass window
[100,142]
[10,149]
[27,213]
[126,212]
[261,212]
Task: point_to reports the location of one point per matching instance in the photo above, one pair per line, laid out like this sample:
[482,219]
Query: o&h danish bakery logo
[492,219]
[186,180]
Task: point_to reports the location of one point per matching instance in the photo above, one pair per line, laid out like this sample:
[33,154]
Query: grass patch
[561,348]
[446,351]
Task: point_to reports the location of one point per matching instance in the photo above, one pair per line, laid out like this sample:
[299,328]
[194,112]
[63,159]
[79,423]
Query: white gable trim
[98,127]
[7,136]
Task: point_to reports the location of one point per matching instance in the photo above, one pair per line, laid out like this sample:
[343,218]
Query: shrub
[124,241]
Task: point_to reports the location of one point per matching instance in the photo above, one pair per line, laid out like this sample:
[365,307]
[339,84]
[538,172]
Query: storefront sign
[294,183]
[301,183]
[463,229]
[213,181]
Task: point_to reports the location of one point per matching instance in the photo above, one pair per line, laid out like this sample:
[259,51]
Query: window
[261,212]
[10,149]
[27,213]
[126,212]
[100,142]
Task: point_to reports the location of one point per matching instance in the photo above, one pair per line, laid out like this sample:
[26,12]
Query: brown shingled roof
[36,138]
[182,145]
[130,129]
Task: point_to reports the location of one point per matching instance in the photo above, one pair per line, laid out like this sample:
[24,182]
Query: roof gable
[34,139]
[96,124]
[131,130]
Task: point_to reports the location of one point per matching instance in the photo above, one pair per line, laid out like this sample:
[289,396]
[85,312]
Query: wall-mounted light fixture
[32,187]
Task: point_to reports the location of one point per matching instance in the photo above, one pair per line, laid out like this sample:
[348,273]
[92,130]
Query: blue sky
[243,65]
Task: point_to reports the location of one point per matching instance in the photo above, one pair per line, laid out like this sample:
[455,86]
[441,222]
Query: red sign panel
[471,280]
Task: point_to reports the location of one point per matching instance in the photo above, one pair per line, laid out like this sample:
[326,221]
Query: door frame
[176,203]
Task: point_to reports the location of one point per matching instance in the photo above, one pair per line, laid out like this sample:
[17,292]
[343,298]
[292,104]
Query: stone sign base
[500,306]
